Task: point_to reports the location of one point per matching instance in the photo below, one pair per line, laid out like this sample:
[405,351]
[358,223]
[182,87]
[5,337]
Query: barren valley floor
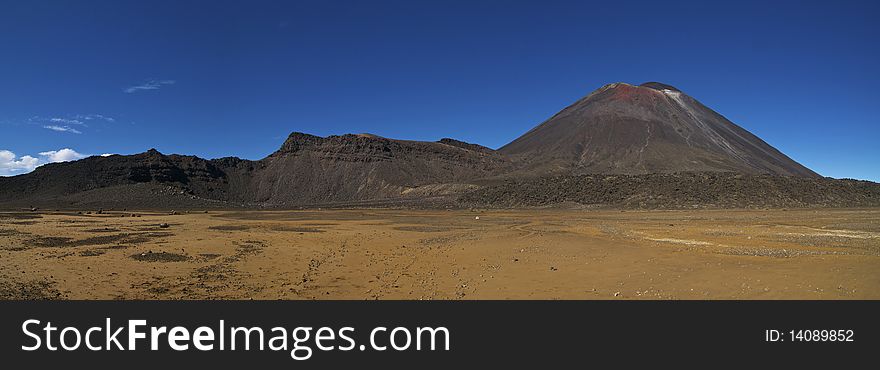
[405,254]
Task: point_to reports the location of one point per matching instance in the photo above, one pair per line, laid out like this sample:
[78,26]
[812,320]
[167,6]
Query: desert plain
[367,254]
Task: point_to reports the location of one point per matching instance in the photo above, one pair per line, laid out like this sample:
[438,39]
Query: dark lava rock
[677,191]
[160,257]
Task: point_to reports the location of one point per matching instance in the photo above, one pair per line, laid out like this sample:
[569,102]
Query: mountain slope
[651,128]
[184,176]
[306,170]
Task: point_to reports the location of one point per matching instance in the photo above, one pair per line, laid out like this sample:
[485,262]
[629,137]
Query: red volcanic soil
[634,94]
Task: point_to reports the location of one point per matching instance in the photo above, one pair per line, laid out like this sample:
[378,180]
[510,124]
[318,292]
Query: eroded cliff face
[310,169]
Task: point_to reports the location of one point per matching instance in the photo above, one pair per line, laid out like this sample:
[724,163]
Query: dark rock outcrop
[676,191]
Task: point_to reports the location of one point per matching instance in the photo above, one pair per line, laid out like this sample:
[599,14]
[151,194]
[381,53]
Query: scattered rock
[149,256]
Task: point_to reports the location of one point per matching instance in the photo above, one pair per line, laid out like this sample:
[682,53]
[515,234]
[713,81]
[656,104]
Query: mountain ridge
[618,129]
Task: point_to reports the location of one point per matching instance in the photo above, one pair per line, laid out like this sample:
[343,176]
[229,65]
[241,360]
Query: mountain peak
[296,140]
[368,135]
[659,86]
[465,145]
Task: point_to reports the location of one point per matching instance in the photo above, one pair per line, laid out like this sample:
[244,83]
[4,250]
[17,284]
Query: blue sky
[216,78]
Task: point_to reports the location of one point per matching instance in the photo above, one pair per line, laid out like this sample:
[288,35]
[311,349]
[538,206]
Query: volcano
[650,128]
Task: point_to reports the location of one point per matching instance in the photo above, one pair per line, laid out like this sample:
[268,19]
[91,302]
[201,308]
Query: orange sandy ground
[397,254]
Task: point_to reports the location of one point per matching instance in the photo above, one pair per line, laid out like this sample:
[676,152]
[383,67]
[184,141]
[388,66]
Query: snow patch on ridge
[710,132]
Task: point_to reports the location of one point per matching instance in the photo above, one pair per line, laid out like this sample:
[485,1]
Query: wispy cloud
[11,164]
[149,85]
[66,121]
[62,129]
[74,124]
[91,117]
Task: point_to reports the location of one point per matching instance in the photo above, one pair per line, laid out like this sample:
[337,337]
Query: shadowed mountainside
[307,169]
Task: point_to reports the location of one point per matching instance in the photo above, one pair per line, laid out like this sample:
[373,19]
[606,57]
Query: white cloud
[89,117]
[66,120]
[62,129]
[62,155]
[107,154]
[70,124]
[11,165]
[149,85]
